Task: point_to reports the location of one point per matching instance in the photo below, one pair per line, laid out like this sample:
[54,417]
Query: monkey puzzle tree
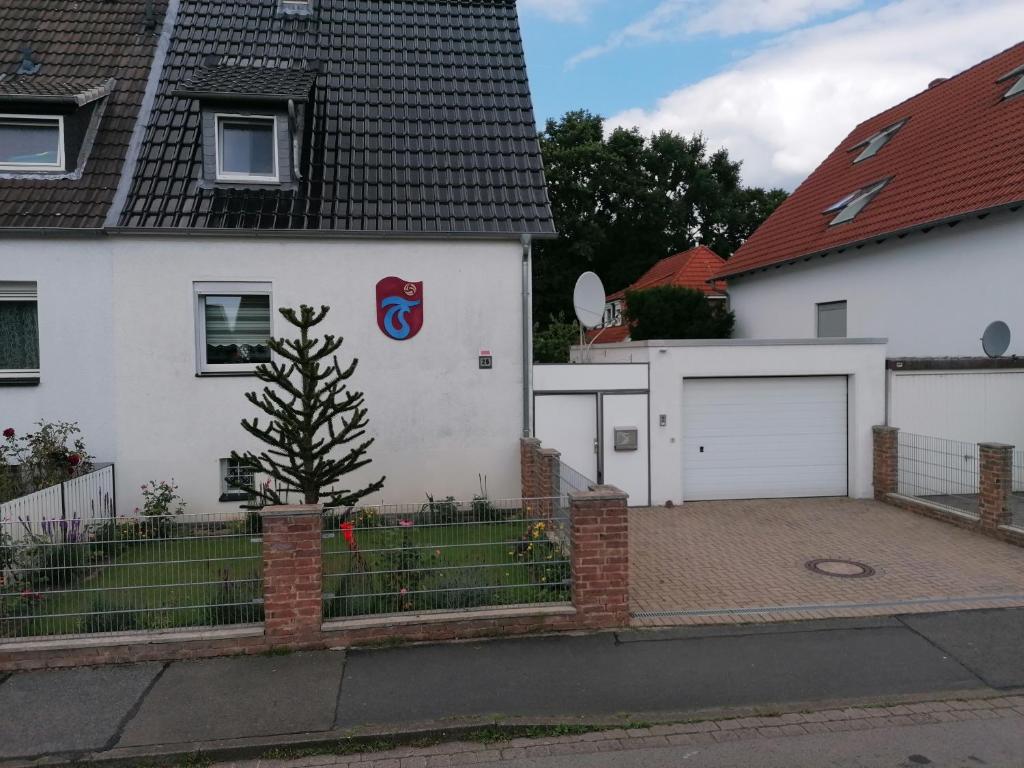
[313,415]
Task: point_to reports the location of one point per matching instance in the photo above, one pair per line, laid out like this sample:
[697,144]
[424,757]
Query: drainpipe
[527,242]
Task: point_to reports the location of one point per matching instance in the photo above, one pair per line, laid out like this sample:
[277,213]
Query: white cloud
[559,10]
[783,109]
[677,19]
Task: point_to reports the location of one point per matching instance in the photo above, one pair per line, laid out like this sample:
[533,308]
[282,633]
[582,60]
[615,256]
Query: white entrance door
[757,438]
[568,423]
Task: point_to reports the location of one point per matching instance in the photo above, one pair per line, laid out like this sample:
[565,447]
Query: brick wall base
[1009,535]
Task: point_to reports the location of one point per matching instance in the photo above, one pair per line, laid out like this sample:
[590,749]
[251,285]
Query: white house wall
[439,421]
[929,294]
[671,362]
[73,278]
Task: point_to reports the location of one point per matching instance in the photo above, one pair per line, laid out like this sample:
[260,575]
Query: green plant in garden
[313,415]
[674,312]
[438,512]
[35,460]
[160,504]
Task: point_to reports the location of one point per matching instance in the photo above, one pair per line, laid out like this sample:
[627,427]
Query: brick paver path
[1009,710]
[744,561]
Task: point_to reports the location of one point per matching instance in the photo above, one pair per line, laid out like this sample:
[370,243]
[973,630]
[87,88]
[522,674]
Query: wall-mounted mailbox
[627,439]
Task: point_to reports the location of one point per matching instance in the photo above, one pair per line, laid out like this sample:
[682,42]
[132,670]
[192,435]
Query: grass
[450,565]
[195,576]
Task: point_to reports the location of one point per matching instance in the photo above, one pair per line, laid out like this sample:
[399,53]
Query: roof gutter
[326,234]
[878,239]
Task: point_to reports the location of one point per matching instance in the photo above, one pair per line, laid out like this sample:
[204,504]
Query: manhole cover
[841,569]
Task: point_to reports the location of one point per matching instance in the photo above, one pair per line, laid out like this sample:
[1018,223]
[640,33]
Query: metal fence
[445,555]
[1017,497]
[74,575]
[939,471]
[86,498]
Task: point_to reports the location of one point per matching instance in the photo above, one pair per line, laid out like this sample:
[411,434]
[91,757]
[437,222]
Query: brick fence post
[886,474]
[600,557]
[995,484]
[529,465]
[292,574]
[547,479]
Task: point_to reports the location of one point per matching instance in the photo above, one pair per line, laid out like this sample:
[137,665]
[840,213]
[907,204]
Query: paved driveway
[745,561]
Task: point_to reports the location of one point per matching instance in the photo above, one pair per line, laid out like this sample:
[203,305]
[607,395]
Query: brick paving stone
[677,555]
[816,727]
[793,730]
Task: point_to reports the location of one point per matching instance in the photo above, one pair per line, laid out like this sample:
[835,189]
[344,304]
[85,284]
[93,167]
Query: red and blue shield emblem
[399,308]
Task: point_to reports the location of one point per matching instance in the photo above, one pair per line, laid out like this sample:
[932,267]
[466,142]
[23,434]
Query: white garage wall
[671,362]
[438,420]
[974,406]
[76,381]
[931,295]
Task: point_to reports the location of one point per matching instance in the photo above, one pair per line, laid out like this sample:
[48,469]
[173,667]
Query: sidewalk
[241,706]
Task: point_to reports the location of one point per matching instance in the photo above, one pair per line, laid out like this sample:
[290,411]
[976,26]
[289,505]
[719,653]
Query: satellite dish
[588,300]
[996,340]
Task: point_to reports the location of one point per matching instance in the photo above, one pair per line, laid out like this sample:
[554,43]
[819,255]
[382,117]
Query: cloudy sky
[778,82]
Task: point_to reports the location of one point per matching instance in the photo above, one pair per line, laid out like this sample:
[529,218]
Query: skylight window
[31,143]
[1017,76]
[853,204]
[874,145]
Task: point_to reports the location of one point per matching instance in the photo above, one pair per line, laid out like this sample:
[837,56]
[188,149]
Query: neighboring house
[694,268]
[302,152]
[910,230]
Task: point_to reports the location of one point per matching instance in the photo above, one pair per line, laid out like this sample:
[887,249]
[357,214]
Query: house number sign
[399,308]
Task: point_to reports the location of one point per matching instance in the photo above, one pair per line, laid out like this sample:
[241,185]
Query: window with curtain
[234,326]
[19,331]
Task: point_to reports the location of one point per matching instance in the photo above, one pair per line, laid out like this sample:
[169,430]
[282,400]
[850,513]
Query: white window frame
[61,162]
[846,318]
[218,135]
[200,290]
[22,374]
[228,492]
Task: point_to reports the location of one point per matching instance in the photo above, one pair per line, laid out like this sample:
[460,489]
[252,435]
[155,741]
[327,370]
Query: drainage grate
[840,569]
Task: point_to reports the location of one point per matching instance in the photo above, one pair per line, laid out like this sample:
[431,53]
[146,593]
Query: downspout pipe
[527,243]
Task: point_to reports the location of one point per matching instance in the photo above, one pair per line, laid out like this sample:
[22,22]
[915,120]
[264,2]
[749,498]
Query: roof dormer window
[247,149]
[1015,75]
[873,145]
[295,7]
[31,143]
[854,203]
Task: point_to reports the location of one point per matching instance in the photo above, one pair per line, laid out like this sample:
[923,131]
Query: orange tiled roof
[959,152]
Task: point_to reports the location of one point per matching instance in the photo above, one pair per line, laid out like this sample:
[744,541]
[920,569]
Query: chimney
[149,14]
[27,66]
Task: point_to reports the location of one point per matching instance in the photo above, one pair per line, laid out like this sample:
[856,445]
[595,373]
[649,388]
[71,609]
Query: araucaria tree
[314,421]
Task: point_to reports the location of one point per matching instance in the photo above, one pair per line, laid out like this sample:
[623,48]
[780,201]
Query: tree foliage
[551,344]
[674,312]
[313,414]
[623,201]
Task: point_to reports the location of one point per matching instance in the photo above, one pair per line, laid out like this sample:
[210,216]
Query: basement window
[31,143]
[854,203]
[239,472]
[1017,76]
[247,149]
[874,145]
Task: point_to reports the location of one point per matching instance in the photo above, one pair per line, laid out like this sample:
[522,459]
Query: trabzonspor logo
[399,308]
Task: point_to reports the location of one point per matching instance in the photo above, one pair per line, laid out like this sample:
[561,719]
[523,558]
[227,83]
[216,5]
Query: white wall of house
[862,362]
[73,278]
[438,420]
[930,294]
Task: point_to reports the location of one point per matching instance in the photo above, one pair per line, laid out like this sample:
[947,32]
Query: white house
[287,153]
[911,230]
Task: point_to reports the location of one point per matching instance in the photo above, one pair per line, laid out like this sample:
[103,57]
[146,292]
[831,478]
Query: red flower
[9,433]
[74,459]
[347,530]
[406,523]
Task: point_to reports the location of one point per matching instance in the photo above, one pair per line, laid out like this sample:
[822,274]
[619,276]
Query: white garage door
[764,438]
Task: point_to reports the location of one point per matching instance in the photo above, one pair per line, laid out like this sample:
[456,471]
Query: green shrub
[105,617]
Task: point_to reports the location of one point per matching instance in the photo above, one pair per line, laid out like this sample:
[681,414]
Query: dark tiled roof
[72,90]
[420,115]
[959,152]
[85,42]
[257,83]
